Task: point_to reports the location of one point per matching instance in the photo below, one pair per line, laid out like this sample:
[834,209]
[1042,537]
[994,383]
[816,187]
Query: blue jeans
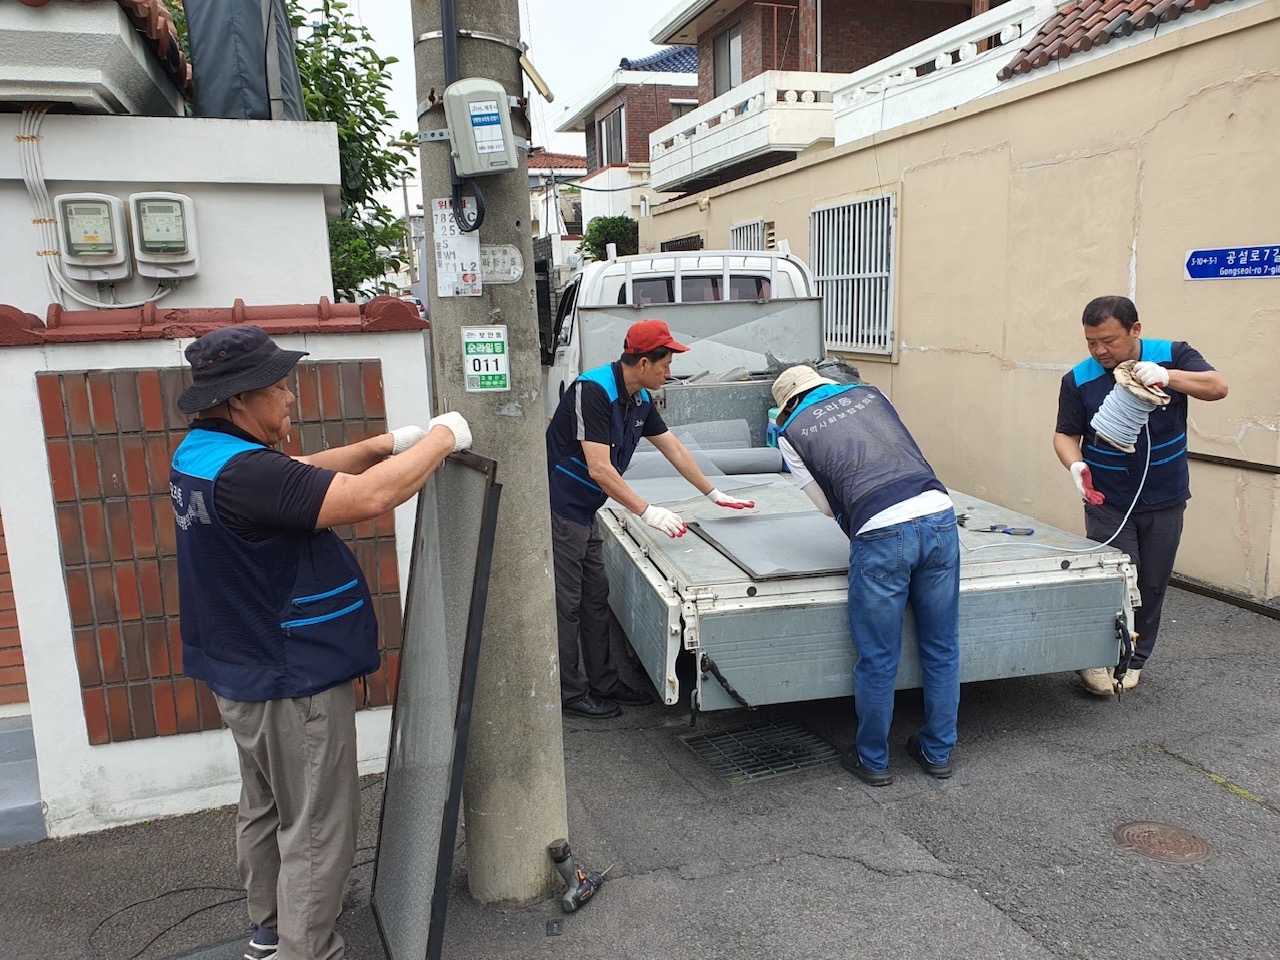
[918,562]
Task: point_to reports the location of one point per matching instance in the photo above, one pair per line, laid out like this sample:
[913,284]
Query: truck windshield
[694,289]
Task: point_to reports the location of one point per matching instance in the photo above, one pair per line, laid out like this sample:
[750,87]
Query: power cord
[240,895]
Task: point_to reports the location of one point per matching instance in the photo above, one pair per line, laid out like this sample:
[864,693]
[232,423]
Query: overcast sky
[574,44]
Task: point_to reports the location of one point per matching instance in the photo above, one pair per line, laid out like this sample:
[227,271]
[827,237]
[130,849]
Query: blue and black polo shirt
[1115,473]
[595,408]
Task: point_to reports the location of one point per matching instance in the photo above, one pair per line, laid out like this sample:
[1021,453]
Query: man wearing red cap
[595,430]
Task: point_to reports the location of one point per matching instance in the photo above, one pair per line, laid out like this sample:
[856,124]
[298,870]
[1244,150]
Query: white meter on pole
[480,134]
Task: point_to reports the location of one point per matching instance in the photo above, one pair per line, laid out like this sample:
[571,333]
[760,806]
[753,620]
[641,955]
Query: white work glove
[1152,374]
[1083,477]
[402,438]
[724,500]
[457,425]
[660,518]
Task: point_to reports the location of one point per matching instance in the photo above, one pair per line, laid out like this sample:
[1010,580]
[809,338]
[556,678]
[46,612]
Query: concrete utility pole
[514,789]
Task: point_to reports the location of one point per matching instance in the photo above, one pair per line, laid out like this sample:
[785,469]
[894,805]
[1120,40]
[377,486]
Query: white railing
[775,110]
[944,71]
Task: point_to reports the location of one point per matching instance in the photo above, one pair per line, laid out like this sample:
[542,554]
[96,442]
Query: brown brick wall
[854,33]
[109,438]
[647,107]
[13,679]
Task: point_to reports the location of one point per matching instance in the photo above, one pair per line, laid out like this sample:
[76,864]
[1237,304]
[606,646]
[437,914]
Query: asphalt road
[1014,857]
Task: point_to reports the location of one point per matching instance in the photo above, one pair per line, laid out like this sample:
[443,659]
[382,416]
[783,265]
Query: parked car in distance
[418,304]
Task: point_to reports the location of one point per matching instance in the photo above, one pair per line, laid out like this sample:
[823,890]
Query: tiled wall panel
[13,678]
[109,437]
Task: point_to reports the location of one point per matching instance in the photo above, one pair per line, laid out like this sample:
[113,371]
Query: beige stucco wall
[1014,213]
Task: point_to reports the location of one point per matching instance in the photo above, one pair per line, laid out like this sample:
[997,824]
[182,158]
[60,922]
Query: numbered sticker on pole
[457,253]
[486,362]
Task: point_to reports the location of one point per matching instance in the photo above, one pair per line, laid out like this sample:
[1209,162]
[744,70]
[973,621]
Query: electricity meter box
[479,119]
[93,236]
[164,235]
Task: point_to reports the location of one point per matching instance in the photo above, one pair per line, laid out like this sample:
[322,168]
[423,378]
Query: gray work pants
[1151,541]
[582,610]
[299,810]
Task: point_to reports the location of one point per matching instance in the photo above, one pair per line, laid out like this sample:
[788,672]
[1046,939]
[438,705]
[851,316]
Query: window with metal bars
[747,236]
[851,253]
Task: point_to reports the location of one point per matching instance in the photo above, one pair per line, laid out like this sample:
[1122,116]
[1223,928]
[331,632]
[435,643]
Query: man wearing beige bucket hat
[849,451]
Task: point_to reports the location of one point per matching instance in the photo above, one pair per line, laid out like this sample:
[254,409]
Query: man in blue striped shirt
[1110,480]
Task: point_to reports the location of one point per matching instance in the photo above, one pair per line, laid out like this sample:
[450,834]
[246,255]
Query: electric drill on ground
[581,884]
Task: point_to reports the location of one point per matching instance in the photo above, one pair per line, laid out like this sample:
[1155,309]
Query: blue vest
[1116,473]
[574,495]
[859,452]
[286,617]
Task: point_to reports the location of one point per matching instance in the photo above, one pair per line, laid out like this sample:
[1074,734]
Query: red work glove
[724,500]
[1084,483]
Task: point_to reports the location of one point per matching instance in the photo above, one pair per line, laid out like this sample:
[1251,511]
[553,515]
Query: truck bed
[782,637]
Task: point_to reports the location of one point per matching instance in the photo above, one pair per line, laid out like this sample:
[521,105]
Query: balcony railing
[776,111]
[946,70]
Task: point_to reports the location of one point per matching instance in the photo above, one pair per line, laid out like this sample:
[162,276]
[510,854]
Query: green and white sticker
[485,358]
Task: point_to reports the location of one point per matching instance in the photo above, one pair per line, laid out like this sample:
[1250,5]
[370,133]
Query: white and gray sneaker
[263,945]
[1099,681]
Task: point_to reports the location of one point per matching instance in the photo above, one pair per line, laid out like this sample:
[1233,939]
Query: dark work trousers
[582,610]
[299,808]
[1151,541]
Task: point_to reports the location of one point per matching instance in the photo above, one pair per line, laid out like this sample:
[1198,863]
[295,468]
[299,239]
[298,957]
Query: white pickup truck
[760,601]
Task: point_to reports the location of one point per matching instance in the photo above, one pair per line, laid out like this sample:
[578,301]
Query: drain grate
[1160,841]
[761,750]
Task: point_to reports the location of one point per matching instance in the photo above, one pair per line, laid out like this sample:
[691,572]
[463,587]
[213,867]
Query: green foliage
[345,82]
[603,231]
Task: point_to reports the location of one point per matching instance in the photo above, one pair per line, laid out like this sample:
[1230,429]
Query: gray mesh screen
[444,614]
[769,547]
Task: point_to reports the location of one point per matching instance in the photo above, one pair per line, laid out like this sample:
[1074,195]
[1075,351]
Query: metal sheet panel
[444,616]
[743,335]
[772,546]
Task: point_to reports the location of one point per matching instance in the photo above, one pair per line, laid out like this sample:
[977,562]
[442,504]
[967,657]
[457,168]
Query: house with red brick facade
[765,73]
[618,115]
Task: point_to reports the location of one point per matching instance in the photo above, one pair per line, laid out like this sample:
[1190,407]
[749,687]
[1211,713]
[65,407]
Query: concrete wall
[260,191]
[92,787]
[1016,210]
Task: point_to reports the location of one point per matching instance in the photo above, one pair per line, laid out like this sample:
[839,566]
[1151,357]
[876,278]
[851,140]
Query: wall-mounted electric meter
[480,134]
[164,235]
[94,238]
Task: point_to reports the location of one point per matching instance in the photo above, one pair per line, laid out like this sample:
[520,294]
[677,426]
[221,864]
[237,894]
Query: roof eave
[577,111]
[677,19]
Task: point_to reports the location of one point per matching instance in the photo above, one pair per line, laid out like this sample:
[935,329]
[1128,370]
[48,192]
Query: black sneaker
[262,945]
[940,771]
[593,708]
[872,778]
[629,696]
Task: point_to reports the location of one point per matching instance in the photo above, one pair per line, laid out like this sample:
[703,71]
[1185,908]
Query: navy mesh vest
[574,495]
[859,452]
[286,617]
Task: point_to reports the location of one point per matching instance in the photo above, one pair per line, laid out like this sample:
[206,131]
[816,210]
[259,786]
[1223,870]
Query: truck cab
[604,298]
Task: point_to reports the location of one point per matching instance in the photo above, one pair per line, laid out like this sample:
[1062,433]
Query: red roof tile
[1081,26]
[541,160]
[152,19]
[156,322]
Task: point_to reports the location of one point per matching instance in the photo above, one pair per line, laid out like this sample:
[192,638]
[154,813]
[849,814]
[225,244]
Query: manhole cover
[1160,841]
[761,750]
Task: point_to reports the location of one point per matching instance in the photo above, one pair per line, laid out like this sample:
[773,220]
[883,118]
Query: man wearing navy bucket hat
[277,619]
